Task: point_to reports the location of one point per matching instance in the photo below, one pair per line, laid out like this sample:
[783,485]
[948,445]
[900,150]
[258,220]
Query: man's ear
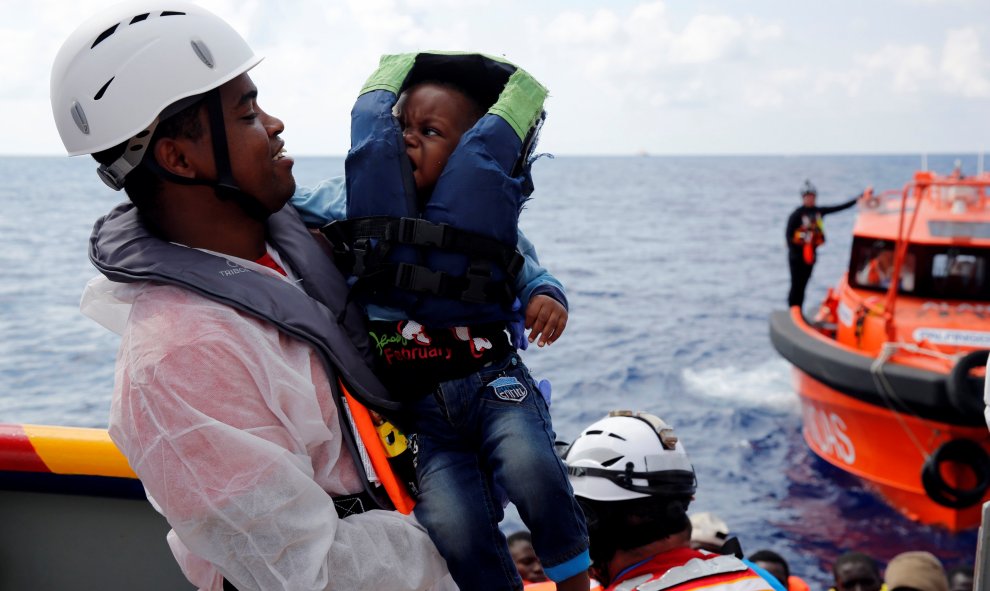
[174,156]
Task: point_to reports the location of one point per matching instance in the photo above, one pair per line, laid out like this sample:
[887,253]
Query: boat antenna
[924,161]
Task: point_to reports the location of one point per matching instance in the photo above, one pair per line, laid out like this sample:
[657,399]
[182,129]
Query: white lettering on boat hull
[827,430]
[959,338]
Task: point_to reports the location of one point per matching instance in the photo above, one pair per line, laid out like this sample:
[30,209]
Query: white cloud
[576,28]
[911,68]
[624,75]
[963,65]
[961,69]
[706,38]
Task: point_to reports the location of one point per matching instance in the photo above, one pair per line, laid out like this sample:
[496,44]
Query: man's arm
[834,208]
[231,428]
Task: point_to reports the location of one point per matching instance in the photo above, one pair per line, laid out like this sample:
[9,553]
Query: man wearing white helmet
[227,399]
[634,482]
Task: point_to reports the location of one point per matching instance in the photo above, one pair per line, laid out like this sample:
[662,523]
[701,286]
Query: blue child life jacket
[450,261]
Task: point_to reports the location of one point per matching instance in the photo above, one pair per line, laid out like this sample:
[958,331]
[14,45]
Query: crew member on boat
[878,269]
[804,234]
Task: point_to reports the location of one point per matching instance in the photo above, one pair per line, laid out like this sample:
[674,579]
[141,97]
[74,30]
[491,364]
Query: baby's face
[432,118]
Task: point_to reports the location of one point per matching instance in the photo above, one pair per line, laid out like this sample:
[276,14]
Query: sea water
[672,266]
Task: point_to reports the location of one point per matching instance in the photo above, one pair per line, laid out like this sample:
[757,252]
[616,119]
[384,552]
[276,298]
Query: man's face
[808,199]
[433,118]
[257,159]
[527,563]
[856,576]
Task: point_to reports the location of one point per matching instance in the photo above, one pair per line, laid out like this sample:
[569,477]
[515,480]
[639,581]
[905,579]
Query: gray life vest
[124,251]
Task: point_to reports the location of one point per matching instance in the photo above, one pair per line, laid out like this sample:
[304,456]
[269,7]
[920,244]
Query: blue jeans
[493,426]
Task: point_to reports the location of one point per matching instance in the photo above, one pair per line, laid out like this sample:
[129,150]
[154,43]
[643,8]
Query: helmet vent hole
[593,432]
[102,90]
[171,13]
[617,436]
[104,35]
[137,147]
[608,463]
[139,18]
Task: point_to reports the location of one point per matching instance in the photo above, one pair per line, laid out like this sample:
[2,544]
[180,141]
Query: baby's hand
[546,319]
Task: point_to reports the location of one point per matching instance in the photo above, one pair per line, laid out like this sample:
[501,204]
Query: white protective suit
[231,427]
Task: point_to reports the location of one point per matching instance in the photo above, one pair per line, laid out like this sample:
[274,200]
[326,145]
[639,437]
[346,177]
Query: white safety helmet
[629,455]
[119,71]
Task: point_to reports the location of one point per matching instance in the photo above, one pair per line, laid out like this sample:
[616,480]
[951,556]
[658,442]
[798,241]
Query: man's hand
[546,319]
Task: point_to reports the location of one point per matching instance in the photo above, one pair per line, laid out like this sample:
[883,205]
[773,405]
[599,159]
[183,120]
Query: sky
[693,77]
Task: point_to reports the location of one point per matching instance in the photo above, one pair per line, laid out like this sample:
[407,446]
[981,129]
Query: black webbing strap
[225,186]
[346,506]
[476,286]
[346,234]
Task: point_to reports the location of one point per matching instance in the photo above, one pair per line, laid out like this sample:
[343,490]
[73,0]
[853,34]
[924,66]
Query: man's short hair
[519,536]
[771,556]
[854,558]
[142,184]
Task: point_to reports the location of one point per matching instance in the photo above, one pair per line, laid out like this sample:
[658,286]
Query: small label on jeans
[508,389]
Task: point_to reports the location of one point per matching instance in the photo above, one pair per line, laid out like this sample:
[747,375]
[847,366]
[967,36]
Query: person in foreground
[479,418]
[804,233]
[226,399]
[634,481]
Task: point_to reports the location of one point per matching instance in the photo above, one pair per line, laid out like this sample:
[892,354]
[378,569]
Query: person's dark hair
[856,557]
[142,184]
[519,536]
[624,525]
[771,556]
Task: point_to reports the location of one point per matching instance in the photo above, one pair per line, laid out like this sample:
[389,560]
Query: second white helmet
[629,455]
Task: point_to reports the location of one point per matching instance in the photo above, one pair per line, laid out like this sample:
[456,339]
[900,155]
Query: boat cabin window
[959,273]
[873,266]
[928,271]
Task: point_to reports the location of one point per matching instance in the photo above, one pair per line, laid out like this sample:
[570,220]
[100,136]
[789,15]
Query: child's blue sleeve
[323,203]
[534,279]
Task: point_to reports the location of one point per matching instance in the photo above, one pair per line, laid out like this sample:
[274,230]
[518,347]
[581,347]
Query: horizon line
[641,154]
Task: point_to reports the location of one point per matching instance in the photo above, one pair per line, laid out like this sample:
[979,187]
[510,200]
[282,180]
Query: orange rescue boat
[891,370]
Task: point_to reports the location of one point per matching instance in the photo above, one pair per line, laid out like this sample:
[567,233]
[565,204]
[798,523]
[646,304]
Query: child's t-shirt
[412,359]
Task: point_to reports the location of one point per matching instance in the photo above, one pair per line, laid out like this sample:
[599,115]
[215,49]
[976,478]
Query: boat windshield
[929,271]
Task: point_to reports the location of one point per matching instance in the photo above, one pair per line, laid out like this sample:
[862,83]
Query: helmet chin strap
[225,187]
